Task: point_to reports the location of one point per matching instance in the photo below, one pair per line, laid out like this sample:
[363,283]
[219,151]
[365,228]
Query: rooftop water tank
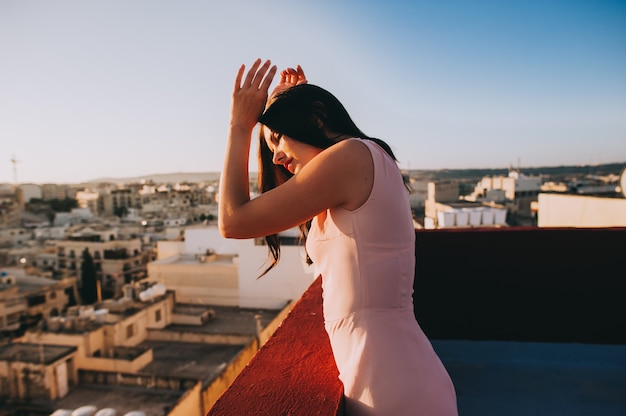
[101,315]
[88,410]
[107,411]
[159,289]
[61,412]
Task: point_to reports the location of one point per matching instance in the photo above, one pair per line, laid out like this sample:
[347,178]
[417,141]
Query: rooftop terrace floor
[526,378]
[122,399]
[189,360]
[230,320]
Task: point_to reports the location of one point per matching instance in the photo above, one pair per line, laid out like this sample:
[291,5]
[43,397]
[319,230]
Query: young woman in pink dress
[319,171]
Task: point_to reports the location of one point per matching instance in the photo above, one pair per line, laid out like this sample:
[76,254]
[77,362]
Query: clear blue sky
[117,88]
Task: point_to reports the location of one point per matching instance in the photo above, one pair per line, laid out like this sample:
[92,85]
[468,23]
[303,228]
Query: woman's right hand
[250,94]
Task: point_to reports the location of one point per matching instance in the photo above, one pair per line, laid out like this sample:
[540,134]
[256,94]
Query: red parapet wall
[293,374]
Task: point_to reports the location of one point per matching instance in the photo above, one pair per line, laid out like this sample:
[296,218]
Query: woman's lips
[287,165]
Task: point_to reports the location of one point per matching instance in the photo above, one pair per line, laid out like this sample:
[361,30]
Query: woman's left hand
[290,77]
[250,94]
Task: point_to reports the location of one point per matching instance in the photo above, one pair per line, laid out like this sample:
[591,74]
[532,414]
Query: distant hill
[433,174]
[192,177]
[554,172]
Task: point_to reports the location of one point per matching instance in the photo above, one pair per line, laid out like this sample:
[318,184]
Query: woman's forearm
[234,179]
[248,101]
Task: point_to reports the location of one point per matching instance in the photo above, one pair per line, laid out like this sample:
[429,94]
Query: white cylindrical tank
[445,219]
[462,218]
[475,217]
[61,412]
[107,411]
[500,216]
[488,217]
[101,315]
[159,289]
[88,410]
[146,295]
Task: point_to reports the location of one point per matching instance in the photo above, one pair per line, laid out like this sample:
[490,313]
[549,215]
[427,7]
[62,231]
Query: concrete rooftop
[495,378]
[121,398]
[229,320]
[189,360]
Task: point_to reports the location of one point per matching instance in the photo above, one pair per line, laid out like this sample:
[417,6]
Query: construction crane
[14,161]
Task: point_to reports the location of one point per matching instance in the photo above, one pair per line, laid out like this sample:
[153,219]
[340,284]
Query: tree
[89,287]
[51,216]
[120,211]
[63,205]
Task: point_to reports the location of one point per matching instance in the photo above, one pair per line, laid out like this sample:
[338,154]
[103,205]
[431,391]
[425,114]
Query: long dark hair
[304,113]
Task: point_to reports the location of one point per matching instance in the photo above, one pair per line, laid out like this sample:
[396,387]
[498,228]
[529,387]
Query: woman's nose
[278,157]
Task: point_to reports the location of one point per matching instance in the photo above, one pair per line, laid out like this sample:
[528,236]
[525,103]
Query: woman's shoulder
[352,144]
[348,155]
[349,165]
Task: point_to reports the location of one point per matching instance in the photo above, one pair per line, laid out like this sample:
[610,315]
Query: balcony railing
[529,303]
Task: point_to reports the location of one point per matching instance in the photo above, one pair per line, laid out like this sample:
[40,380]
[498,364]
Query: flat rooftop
[494,378]
[121,398]
[209,261]
[34,353]
[228,320]
[189,360]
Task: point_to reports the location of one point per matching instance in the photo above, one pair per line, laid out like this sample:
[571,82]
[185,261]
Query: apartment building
[117,262]
[9,210]
[27,298]
[14,236]
[580,211]
[206,268]
[57,191]
[89,200]
[141,352]
[444,209]
[516,192]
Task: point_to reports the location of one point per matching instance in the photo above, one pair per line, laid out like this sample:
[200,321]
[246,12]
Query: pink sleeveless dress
[367,261]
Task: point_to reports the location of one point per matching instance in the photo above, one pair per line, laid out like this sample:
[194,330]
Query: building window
[130,331]
[36,300]
[157,315]
[53,295]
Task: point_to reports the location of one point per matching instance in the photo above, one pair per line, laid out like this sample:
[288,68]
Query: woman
[316,165]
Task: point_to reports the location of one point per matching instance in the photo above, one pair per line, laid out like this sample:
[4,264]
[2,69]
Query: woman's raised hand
[250,94]
[290,77]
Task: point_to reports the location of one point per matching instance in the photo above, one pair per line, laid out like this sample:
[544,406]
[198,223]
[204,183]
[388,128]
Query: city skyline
[120,89]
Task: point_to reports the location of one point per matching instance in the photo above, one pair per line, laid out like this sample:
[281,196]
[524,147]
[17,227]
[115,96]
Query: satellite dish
[622,181]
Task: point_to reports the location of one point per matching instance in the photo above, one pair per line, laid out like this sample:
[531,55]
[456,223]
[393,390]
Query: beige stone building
[117,262]
[141,352]
[26,298]
[200,279]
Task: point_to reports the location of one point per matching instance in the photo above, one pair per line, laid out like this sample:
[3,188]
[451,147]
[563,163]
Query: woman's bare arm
[341,175]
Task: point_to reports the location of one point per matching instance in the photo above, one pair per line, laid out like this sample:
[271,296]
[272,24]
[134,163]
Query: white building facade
[556,210]
[208,268]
